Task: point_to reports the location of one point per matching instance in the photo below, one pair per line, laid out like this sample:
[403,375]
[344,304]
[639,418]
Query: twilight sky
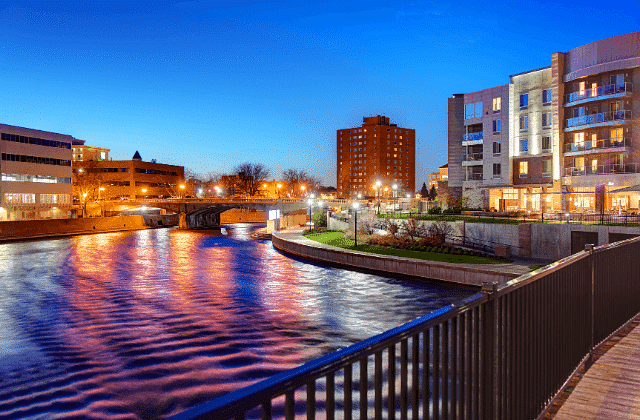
[211,84]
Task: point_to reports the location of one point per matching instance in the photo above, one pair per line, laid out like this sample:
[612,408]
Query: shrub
[434,210]
[412,229]
[438,231]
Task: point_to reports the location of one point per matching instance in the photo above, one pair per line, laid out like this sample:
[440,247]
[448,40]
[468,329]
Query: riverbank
[54,228]
[294,243]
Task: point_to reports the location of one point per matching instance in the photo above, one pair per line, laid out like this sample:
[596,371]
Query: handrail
[246,398]
[503,353]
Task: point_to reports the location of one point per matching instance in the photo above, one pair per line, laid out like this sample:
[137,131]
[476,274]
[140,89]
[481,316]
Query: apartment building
[376,151]
[441,176]
[559,138]
[36,174]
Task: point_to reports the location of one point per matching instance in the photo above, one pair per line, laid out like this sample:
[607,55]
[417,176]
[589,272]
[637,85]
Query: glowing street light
[279,186]
[302,187]
[310,202]
[182,187]
[377,188]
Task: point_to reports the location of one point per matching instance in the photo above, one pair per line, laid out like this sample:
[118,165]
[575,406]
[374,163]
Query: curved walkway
[610,388]
[462,274]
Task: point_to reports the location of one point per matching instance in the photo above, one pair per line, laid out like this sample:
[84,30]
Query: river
[144,324]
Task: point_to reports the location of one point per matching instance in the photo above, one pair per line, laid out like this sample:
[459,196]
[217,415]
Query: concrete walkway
[518,267]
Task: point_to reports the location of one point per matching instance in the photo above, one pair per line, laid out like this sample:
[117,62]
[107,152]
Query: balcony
[600,119]
[473,136]
[601,92]
[624,168]
[474,177]
[472,159]
[597,146]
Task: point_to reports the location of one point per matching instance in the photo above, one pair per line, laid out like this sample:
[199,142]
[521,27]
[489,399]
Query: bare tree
[439,231]
[86,181]
[296,179]
[250,176]
[413,229]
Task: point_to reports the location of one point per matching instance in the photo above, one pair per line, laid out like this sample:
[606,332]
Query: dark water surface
[146,324]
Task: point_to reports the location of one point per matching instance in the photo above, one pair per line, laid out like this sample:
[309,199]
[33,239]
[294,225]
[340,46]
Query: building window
[524,122]
[546,168]
[497,104]
[546,143]
[473,110]
[524,100]
[496,169]
[546,120]
[496,148]
[523,169]
[496,126]
[524,146]
[546,96]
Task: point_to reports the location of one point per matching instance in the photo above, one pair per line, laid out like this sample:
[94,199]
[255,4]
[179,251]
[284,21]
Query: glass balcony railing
[597,145]
[599,91]
[599,118]
[474,177]
[623,168]
[473,136]
[473,157]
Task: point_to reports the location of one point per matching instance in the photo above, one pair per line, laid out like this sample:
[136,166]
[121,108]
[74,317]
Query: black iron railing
[500,354]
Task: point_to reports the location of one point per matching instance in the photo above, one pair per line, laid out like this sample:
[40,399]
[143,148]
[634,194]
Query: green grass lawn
[337,239]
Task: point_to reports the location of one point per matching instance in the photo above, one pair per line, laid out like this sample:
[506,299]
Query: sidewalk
[610,389]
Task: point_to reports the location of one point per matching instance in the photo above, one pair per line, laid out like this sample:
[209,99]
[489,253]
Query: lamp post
[302,188]
[378,185]
[101,205]
[279,186]
[355,223]
[395,194]
[182,187]
[310,202]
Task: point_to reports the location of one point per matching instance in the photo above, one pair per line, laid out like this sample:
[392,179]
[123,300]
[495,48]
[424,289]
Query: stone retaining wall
[432,270]
[26,229]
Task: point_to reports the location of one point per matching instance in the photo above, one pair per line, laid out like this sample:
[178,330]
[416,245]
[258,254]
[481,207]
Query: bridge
[205,212]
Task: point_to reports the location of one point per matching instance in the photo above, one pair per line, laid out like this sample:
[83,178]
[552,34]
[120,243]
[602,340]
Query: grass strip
[337,239]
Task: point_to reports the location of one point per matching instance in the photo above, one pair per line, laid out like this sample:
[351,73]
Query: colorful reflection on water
[145,324]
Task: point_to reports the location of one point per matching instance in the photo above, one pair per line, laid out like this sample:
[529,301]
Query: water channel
[142,325]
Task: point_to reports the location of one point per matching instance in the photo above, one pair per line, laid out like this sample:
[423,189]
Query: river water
[142,325]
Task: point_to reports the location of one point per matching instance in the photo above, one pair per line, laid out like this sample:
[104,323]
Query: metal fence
[500,354]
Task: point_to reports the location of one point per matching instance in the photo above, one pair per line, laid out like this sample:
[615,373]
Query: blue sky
[212,84]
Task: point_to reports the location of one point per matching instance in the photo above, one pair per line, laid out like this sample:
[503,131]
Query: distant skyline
[212,84]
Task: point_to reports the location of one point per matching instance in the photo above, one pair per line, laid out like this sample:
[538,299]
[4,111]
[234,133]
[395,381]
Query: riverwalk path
[610,388]
[293,242]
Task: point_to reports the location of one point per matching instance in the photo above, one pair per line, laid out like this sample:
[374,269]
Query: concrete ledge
[468,275]
[34,229]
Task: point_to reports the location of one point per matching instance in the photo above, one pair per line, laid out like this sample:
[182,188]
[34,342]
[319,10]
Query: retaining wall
[26,229]
[467,275]
[228,217]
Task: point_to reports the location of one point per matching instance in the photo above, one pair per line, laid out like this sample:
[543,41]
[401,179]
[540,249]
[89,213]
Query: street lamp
[395,195]
[279,186]
[355,223]
[182,192]
[302,187]
[378,185]
[310,201]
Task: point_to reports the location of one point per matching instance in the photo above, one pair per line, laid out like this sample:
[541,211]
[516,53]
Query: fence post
[489,337]
[589,248]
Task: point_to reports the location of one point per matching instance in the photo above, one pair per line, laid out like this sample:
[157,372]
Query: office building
[556,139]
[122,179]
[375,151]
[36,174]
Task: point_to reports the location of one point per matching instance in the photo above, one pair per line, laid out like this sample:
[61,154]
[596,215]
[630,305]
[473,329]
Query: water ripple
[142,325]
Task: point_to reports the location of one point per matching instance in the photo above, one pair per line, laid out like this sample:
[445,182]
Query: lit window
[497,104]
[524,169]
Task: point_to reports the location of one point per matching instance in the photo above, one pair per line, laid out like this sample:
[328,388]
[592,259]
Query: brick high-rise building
[376,151]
